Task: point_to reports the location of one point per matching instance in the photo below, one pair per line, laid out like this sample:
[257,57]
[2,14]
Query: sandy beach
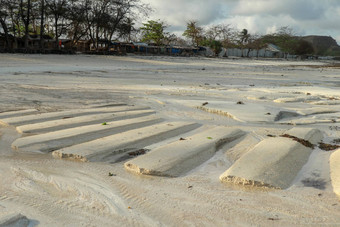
[168,141]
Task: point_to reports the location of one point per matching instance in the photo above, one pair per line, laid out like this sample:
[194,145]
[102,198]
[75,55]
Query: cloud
[178,12]
[306,17]
[300,10]
[260,24]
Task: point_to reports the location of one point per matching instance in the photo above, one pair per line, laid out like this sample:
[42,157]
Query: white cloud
[178,12]
[300,10]
[306,17]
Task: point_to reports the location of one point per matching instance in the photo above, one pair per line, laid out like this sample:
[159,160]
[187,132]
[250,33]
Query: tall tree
[255,42]
[126,29]
[77,28]
[218,36]
[104,18]
[57,10]
[42,26]
[285,39]
[3,19]
[153,31]
[27,22]
[213,32]
[35,13]
[215,45]
[15,17]
[25,13]
[194,32]
[244,37]
[227,35]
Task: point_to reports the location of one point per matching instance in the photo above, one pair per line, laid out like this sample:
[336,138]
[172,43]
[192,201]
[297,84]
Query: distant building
[270,51]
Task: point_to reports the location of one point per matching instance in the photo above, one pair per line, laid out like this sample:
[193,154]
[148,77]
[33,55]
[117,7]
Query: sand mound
[241,148]
[183,155]
[312,135]
[335,171]
[274,162]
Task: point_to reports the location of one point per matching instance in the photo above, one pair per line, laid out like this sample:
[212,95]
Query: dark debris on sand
[305,143]
[138,152]
[328,147]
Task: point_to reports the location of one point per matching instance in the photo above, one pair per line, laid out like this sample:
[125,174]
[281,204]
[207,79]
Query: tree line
[97,20]
[74,19]
[225,36]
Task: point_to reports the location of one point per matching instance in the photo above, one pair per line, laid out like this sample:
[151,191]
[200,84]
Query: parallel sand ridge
[63,138]
[138,138]
[17,113]
[183,155]
[274,162]
[54,125]
[40,117]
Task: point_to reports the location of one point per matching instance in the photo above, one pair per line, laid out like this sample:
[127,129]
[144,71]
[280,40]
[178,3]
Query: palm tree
[244,37]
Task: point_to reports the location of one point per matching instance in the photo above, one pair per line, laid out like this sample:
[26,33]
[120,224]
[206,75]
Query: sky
[305,17]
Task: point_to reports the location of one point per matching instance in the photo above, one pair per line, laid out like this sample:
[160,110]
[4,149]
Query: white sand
[274,162]
[54,192]
[13,220]
[179,157]
[335,171]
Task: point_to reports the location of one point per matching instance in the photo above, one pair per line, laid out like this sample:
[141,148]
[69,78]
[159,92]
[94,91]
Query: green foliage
[153,31]
[332,52]
[285,42]
[194,32]
[289,44]
[89,19]
[215,45]
[244,37]
[303,47]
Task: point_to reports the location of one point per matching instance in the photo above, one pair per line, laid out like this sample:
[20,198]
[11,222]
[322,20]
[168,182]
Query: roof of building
[273,48]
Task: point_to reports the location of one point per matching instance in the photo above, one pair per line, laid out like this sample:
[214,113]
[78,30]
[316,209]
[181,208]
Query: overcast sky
[306,17]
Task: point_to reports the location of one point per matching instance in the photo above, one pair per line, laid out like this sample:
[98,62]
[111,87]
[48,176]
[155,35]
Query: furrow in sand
[5,197]
[68,137]
[55,195]
[183,155]
[41,117]
[138,199]
[274,162]
[100,149]
[61,124]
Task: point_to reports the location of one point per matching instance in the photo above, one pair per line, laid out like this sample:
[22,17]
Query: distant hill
[323,45]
